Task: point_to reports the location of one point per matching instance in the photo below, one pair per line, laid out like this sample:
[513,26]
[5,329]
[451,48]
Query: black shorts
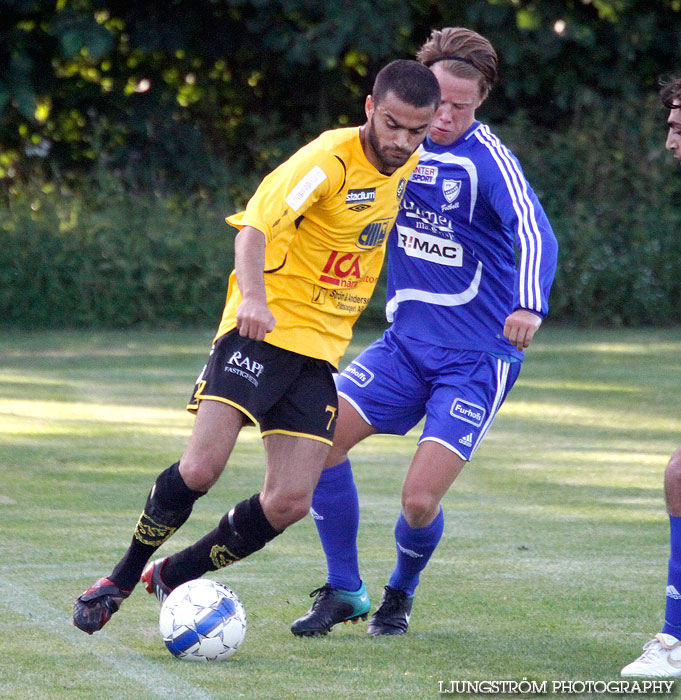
[282,391]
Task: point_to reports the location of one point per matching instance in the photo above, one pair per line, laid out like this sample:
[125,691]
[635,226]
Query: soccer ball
[202,620]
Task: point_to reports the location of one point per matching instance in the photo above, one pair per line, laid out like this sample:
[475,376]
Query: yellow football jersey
[325,213]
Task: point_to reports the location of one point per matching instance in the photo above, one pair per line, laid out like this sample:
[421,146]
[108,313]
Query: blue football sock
[414,549]
[672,614]
[335,509]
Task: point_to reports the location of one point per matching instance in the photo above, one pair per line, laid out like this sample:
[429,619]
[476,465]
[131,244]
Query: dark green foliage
[105,259]
[161,91]
[169,93]
[613,196]
[128,131]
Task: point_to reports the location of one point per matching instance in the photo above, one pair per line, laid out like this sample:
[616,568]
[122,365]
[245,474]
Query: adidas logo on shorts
[467,440]
[672,592]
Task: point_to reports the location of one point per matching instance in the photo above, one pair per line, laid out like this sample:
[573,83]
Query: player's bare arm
[253,317]
[520,328]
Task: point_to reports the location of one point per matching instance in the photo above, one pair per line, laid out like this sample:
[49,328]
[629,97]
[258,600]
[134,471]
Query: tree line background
[129,130]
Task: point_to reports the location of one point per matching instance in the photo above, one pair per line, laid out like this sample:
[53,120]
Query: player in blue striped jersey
[462,310]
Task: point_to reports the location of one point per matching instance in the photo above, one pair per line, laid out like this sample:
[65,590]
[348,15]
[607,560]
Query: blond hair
[463,53]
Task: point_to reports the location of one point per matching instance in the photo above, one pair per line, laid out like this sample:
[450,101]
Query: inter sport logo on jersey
[417,244]
[425,174]
[468,412]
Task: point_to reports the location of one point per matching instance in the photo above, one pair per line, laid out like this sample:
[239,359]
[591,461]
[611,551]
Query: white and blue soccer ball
[202,620]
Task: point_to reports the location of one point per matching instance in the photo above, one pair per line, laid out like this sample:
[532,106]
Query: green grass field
[552,567]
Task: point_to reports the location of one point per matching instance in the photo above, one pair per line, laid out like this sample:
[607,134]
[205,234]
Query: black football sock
[244,530]
[168,506]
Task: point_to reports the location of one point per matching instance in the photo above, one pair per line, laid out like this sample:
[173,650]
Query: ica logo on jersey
[341,269]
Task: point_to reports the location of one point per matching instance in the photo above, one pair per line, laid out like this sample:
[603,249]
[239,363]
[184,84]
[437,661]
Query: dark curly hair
[410,81]
[671,93]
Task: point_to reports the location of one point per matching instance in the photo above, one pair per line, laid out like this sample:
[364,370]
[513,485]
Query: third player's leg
[672,483]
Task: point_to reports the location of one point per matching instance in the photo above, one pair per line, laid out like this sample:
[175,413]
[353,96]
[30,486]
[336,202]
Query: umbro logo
[467,440]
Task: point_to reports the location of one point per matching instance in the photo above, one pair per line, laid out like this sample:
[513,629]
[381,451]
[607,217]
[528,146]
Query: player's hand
[520,328]
[254,319]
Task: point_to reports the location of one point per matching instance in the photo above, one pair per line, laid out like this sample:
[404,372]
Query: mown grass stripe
[156,679]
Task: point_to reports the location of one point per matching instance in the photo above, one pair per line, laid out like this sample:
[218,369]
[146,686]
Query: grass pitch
[552,567]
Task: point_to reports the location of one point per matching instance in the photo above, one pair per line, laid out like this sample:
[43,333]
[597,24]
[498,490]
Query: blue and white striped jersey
[468,214]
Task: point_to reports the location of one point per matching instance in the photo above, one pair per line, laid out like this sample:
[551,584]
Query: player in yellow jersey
[307,256]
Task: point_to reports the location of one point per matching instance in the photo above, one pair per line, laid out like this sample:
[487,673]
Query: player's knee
[337,455]
[419,508]
[284,509]
[199,475]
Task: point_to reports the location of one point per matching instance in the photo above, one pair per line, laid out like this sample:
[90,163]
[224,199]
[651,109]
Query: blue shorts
[397,380]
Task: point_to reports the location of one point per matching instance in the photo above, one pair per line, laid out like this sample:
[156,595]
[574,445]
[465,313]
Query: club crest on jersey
[451,189]
[374,234]
[424,174]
